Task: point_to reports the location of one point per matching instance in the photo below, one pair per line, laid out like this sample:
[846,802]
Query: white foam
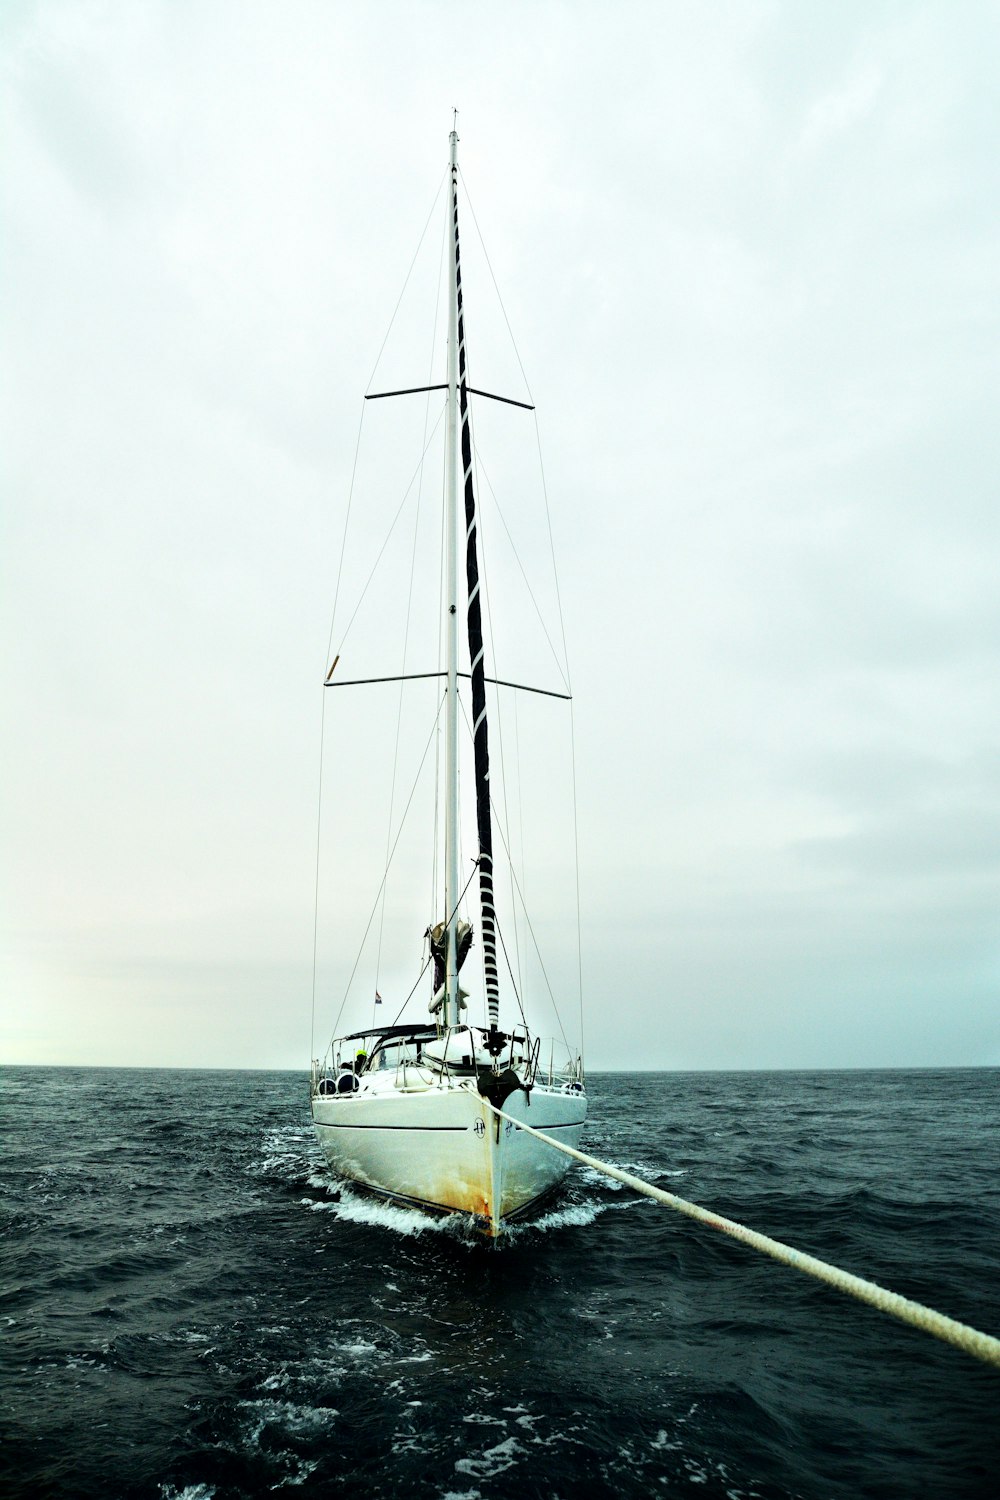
[567,1216]
[483,1419]
[307,1421]
[291,1420]
[355,1349]
[357,1209]
[87,1362]
[321,1370]
[492,1461]
[593,1178]
[189,1492]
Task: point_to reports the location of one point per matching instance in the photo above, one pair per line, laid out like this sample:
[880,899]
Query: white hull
[444,1148]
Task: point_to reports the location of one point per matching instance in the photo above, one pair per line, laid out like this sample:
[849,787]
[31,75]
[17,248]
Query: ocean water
[189,1311]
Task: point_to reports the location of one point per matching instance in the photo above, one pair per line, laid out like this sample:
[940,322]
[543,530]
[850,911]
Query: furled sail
[478,667]
[438,936]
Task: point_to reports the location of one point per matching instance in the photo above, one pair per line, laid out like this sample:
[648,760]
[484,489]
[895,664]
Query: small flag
[378,998]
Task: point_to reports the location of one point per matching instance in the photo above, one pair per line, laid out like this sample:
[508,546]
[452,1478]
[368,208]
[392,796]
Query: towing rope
[981,1345]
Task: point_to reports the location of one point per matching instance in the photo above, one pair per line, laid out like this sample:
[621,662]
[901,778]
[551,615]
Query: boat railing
[553,1067]
[535,1057]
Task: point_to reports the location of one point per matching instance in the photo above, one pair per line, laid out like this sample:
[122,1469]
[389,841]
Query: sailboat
[428,1112]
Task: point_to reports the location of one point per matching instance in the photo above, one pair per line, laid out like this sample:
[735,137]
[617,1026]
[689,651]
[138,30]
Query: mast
[452,890]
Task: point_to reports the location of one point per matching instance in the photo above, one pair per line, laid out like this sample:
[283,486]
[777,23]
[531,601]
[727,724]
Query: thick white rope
[981,1345]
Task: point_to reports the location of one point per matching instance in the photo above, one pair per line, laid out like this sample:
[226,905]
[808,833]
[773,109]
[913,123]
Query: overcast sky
[751,256]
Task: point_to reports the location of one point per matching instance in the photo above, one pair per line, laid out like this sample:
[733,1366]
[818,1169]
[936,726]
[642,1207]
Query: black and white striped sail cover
[476,655]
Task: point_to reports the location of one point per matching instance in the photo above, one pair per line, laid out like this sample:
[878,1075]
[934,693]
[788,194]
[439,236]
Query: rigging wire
[555,574]
[510,971]
[552,553]
[315,942]
[496,288]
[572,727]
[406,282]
[520,828]
[561,668]
[538,954]
[576,869]
[481,477]
[506,804]
[538,951]
[357,445]
[423,971]
[406,640]
[378,893]
[322,735]
[499,717]
[374,568]
[343,542]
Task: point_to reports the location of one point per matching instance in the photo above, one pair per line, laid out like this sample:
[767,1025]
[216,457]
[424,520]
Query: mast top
[453,138]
